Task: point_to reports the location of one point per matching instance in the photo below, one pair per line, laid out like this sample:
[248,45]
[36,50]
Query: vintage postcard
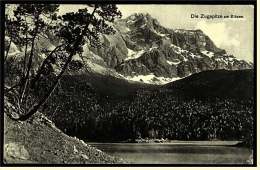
[169,84]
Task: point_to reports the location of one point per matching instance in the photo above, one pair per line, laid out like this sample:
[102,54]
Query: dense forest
[159,112]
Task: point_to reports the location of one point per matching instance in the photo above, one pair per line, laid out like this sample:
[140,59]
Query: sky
[235,35]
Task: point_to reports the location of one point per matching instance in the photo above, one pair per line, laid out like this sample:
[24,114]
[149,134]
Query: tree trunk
[34,108]
[29,65]
[8,48]
[37,77]
[25,57]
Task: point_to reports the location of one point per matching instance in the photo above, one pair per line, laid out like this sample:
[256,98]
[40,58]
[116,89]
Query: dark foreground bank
[38,141]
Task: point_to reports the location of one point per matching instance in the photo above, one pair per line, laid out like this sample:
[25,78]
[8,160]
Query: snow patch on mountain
[152,48]
[194,56]
[184,58]
[173,62]
[151,79]
[158,33]
[133,54]
[178,50]
[226,59]
[183,53]
[207,53]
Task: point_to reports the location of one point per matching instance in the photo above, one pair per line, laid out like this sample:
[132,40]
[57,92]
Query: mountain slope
[159,55]
[142,50]
[38,141]
[217,83]
[209,98]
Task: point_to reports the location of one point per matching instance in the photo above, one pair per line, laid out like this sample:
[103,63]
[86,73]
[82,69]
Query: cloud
[220,33]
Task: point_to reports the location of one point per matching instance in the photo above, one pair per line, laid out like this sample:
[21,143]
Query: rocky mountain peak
[143,50]
[141,16]
[142,20]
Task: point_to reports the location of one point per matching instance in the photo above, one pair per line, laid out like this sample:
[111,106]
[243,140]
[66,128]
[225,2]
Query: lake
[162,153]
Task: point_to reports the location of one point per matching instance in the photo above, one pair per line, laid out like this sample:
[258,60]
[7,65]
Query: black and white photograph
[128,84]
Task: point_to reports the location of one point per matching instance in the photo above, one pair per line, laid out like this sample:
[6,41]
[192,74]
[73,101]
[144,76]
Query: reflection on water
[153,153]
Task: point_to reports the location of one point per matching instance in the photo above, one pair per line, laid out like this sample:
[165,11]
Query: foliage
[73,30]
[149,115]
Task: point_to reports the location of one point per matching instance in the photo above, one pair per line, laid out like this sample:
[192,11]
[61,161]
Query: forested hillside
[193,108]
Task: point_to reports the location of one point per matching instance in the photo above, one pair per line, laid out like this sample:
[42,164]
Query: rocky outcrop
[153,61]
[153,49]
[142,47]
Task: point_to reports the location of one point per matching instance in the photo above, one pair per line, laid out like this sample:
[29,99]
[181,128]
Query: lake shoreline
[177,142]
[179,152]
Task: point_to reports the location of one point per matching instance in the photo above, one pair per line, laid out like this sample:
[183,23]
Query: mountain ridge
[142,50]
